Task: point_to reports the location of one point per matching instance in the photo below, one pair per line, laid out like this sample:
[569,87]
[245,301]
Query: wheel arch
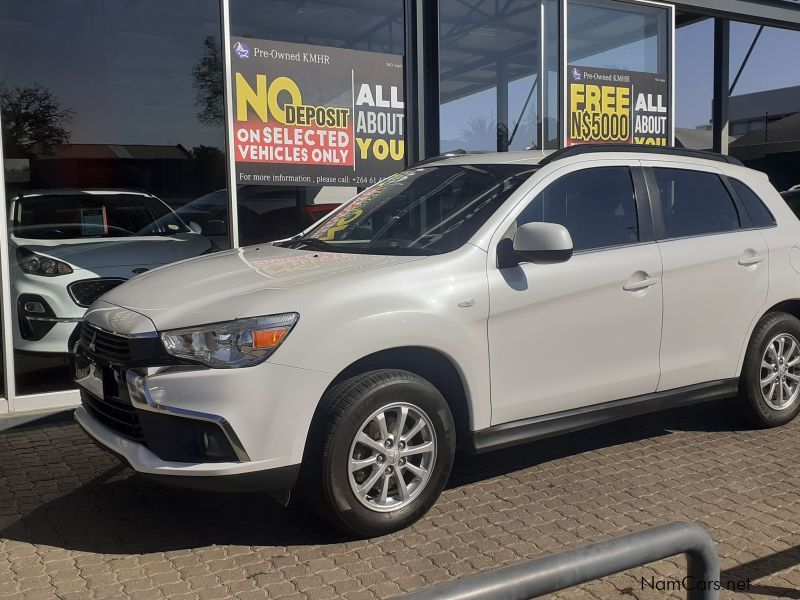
[433,365]
[790,306]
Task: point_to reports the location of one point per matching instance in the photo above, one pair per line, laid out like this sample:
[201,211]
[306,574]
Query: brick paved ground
[74,523]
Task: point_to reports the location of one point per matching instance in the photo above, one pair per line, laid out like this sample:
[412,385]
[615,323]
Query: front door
[588,330]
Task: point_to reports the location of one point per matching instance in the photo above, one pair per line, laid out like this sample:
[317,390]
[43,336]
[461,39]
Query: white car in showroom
[69,246]
[474,301]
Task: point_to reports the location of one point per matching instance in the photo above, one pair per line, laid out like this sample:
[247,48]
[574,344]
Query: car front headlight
[37,264]
[240,343]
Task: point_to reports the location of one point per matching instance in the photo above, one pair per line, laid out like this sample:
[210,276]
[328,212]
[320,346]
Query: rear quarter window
[755,207]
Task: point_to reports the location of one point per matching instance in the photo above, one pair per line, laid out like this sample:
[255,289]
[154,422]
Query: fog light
[34,307]
[35,317]
[212,446]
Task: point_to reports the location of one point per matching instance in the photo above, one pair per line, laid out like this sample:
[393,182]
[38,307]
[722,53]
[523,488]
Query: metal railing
[572,567]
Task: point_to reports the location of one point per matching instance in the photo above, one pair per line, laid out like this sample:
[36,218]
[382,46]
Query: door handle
[642,284]
[749,261]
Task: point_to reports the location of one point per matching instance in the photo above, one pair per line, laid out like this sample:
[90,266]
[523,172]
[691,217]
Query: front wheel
[769,389]
[387,447]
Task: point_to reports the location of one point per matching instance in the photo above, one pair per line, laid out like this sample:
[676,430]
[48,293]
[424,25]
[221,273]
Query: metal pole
[427,60]
[230,143]
[6,305]
[746,59]
[721,121]
[573,567]
[502,105]
[412,132]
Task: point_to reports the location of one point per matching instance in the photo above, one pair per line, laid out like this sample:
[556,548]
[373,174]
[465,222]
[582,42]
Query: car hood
[222,286]
[120,252]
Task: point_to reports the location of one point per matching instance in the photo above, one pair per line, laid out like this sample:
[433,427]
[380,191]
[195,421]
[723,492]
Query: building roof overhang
[773,13]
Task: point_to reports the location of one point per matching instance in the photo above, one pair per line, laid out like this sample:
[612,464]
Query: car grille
[115,414]
[84,292]
[107,347]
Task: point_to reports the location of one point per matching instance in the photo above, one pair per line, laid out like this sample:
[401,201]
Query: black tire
[753,407]
[344,409]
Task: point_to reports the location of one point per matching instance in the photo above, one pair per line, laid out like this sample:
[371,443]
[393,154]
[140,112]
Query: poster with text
[313,115]
[608,106]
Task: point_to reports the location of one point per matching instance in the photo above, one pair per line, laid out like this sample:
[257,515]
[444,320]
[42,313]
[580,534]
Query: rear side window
[759,214]
[695,203]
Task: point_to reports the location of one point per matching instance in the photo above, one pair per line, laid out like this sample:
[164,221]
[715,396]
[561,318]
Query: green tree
[33,120]
[207,80]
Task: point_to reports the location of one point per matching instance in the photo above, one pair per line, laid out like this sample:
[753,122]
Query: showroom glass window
[271,212]
[492,93]
[112,127]
[612,34]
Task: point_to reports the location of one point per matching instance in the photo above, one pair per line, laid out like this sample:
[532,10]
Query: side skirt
[537,428]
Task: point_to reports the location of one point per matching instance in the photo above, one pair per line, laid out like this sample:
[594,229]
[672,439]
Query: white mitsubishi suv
[472,301]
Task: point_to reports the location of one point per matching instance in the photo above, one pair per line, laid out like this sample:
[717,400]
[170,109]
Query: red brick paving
[75,523]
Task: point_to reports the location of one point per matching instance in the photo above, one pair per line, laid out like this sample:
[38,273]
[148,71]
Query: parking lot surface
[75,523]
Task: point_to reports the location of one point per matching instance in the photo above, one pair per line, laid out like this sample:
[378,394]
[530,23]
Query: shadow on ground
[763,567]
[117,512]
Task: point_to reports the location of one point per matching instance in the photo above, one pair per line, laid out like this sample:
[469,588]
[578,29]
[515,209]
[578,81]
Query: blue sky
[772,65]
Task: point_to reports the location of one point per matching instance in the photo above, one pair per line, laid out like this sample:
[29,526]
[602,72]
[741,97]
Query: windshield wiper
[314,243]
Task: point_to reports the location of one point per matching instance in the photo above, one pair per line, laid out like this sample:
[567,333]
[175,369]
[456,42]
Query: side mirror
[540,243]
[216,228]
[195,226]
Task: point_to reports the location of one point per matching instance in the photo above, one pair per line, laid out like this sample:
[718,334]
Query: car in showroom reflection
[265,214]
[70,246]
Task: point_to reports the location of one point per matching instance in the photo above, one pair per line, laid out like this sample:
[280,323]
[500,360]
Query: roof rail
[600,148]
[448,154]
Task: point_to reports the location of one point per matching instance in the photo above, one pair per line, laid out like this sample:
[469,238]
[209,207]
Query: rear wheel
[387,447]
[769,389]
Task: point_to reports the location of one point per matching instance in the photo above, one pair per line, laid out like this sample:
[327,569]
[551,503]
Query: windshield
[92,215]
[421,211]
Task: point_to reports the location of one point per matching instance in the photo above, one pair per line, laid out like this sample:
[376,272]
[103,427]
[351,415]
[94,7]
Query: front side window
[695,203]
[422,211]
[597,206]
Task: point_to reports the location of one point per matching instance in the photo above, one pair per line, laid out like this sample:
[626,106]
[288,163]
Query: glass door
[114,163]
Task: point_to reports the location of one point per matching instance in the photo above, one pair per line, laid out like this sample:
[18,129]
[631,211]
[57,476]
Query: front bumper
[226,477]
[154,417]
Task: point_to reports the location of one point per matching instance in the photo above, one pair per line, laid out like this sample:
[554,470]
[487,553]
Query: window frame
[658,215]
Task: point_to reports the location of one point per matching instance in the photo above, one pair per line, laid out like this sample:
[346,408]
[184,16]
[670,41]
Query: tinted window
[759,214]
[694,203]
[597,206]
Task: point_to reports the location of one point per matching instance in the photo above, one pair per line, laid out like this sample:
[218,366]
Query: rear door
[715,272]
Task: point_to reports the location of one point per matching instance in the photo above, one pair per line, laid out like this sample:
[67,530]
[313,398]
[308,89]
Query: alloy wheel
[392,457]
[780,372]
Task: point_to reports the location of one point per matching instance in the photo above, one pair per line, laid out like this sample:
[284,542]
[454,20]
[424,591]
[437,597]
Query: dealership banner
[617,107]
[313,115]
